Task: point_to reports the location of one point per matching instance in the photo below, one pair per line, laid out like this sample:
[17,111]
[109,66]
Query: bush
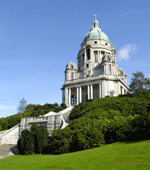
[25,143]
[63,105]
[78,111]
[140,128]
[33,141]
[86,139]
[40,138]
[60,141]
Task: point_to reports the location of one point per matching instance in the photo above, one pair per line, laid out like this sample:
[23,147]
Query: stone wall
[10,136]
[50,123]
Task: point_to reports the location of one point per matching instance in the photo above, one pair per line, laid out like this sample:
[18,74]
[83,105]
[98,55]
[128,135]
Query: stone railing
[10,136]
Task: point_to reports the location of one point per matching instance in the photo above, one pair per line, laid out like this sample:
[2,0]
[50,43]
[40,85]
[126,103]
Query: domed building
[97,74]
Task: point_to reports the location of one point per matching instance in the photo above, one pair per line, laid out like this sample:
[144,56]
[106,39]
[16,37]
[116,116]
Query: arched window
[96,56]
[109,69]
[88,54]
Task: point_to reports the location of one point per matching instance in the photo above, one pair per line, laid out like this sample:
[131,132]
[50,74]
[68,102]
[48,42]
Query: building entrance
[73,99]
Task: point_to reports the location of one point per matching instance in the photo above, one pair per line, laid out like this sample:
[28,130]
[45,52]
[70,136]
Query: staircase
[7,150]
[9,136]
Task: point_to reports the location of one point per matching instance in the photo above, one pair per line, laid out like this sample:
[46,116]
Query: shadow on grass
[128,142]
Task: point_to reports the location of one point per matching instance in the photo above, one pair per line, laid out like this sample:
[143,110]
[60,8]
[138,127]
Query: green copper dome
[95,34]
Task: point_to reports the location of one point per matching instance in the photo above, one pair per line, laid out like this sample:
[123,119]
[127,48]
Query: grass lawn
[116,156]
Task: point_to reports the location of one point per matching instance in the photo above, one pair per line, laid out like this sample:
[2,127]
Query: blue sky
[39,37]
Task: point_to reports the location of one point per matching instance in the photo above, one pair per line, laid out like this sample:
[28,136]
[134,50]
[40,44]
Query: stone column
[104,68]
[77,96]
[100,88]
[88,92]
[119,91]
[122,91]
[90,54]
[100,57]
[91,91]
[80,94]
[66,96]
[103,88]
[85,55]
[69,96]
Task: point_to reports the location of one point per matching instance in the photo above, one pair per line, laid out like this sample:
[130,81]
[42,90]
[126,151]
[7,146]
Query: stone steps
[7,150]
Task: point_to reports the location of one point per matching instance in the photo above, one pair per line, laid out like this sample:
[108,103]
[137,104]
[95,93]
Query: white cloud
[3,107]
[125,51]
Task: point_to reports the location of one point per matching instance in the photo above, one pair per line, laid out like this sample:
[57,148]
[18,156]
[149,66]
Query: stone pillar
[98,53]
[91,91]
[122,91]
[104,69]
[100,90]
[22,125]
[85,55]
[80,94]
[77,96]
[103,88]
[50,124]
[88,92]
[69,103]
[119,92]
[100,57]
[66,96]
[90,54]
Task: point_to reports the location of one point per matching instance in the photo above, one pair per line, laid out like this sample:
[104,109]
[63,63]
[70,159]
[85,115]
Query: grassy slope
[116,156]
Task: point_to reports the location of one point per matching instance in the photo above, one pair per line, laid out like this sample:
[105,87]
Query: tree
[33,141]
[25,143]
[22,106]
[139,82]
[40,136]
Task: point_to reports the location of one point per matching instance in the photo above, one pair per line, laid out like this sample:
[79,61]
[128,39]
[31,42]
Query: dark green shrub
[25,143]
[140,128]
[33,141]
[60,141]
[63,105]
[40,138]
[86,139]
[78,111]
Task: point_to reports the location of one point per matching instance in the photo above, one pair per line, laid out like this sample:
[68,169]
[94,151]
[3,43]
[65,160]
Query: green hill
[116,156]
[97,122]
[103,121]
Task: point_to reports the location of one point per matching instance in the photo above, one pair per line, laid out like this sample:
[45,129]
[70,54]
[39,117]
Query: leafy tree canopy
[139,82]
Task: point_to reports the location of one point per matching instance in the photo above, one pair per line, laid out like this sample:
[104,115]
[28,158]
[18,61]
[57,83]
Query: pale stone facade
[97,74]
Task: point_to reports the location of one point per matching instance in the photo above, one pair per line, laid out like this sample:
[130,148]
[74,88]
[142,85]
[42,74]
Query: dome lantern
[95,24]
